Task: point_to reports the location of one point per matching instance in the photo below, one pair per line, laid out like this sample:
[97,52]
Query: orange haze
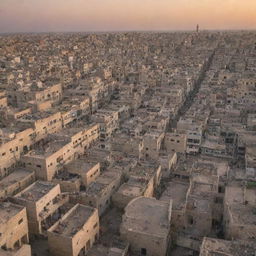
[88,15]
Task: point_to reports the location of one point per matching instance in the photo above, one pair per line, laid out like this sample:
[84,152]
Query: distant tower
[197,28]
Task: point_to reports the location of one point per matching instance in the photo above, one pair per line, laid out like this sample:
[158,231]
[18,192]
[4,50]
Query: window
[190,220]
[143,251]
[95,225]
[20,221]
[38,165]
[88,245]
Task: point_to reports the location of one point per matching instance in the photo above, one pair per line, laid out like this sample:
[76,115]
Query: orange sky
[88,15]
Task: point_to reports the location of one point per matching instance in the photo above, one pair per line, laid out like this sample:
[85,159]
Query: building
[88,172]
[177,191]
[42,201]
[15,182]
[175,142]
[13,226]
[213,246]
[146,226]
[75,233]
[59,150]
[152,144]
[118,248]
[239,212]
[99,193]
[25,250]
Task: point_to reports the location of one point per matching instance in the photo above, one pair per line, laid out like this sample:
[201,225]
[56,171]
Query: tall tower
[197,28]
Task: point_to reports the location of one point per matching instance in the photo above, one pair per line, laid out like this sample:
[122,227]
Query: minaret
[197,28]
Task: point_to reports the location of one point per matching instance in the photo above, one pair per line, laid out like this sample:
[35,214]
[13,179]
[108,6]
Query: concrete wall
[14,232]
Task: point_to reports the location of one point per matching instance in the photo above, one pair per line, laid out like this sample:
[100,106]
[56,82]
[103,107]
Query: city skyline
[117,15]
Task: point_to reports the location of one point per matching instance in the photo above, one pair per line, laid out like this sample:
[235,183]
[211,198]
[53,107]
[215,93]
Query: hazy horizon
[45,16]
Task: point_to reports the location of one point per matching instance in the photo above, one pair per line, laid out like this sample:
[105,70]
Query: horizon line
[128,31]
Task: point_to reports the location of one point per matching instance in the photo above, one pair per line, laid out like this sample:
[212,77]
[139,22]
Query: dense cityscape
[128,144]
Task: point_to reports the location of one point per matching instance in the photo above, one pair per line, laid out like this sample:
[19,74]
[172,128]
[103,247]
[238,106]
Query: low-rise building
[118,248]
[75,233]
[146,226]
[152,144]
[13,226]
[177,191]
[88,172]
[99,193]
[25,250]
[213,246]
[60,150]
[239,212]
[15,182]
[42,201]
[175,142]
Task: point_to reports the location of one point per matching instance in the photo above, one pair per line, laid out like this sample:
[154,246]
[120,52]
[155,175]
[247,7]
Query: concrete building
[118,248]
[60,150]
[175,142]
[88,172]
[13,226]
[152,144]
[75,233]
[42,201]
[13,142]
[99,193]
[25,250]
[239,202]
[15,182]
[146,226]
[213,246]
[177,191]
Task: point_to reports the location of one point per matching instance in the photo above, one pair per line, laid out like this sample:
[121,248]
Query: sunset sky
[109,15]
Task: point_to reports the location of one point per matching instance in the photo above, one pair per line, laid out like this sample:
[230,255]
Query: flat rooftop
[8,210]
[218,247]
[16,176]
[73,221]
[49,149]
[69,132]
[101,182]
[176,191]
[36,191]
[107,177]
[131,190]
[143,169]
[243,214]
[79,166]
[39,115]
[147,215]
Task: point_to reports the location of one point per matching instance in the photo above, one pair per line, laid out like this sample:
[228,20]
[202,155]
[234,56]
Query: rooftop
[14,177]
[217,247]
[8,210]
[36,191]
[48,149]
[73,221]
[102,181]
[177,191]
[147,215]
[79,166]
